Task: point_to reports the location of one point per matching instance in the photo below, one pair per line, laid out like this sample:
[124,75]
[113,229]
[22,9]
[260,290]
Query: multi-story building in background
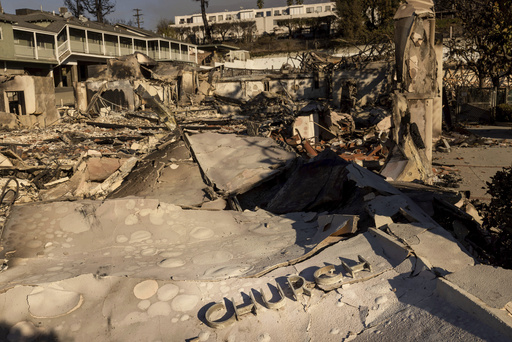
[267,20]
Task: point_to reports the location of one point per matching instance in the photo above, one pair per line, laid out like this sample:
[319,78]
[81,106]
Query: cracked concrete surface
[375,305]
[236,164]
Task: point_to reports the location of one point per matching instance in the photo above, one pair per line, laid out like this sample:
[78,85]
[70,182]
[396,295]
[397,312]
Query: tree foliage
[260,4]
[359,18]
[183,33]
[497,218]
[350,19]
[75,7]
[163,28]
[222,29]
[99,8]
[296,26]
[486,46]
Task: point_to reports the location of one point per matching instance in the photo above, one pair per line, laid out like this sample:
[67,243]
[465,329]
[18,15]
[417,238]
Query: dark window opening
[266,86]
[316,81]
[16,101]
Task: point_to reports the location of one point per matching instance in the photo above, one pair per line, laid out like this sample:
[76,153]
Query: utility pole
[138,16]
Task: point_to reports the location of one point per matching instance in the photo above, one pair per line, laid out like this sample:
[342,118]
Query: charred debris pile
[203,140]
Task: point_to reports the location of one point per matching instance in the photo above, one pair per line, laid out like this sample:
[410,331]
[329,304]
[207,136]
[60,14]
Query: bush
[497,217]
[504,112]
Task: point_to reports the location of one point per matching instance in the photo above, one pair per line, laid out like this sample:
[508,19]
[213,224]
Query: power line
[138,17]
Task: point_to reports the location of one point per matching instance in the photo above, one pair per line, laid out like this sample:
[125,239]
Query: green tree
[290,24]
[379,13]
[222,29]
[351,22]
[163,28]
[357,18]
[248,28]
[183,33]
[260,4]
[486,47]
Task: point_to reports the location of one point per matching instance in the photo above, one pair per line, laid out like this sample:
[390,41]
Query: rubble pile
[179,196]
[44,159]
[168,200]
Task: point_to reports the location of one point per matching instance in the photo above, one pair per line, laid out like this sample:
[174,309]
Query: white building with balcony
[45,43]
[266,19]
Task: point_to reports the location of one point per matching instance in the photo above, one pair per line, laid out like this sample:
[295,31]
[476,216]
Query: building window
[319,9]
[229,17]
[212,18]
[269,13]
[327,8]
[259,14]
[220,18]
[309,10]
[246,15]
[296,10]
[182,21]
[16,101]
[277,13]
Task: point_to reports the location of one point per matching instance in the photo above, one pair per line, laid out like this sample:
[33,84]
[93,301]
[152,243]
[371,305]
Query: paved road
[477,165]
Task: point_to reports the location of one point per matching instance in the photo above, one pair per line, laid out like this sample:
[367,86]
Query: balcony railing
[24,51]
[77,46]
[62,49]
[95,48]
[103,48]
[45,53]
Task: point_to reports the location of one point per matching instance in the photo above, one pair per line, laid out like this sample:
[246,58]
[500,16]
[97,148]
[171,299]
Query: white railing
[112,51]
[24,51]
[63,48]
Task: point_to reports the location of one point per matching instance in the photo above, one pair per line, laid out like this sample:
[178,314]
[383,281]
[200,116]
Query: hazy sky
[152,10]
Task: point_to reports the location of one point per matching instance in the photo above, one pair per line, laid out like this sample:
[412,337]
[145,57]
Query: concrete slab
[168,174]
[148,238]
[476,280]
[407,232]
[432,320]
[236,164]
[120,308]
[437,247]
[401,205]
[499,320]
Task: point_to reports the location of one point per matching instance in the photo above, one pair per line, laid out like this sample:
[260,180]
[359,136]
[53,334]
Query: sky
[152,10]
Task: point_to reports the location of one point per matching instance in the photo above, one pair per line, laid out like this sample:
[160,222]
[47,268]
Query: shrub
[497,217]
[504,112]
